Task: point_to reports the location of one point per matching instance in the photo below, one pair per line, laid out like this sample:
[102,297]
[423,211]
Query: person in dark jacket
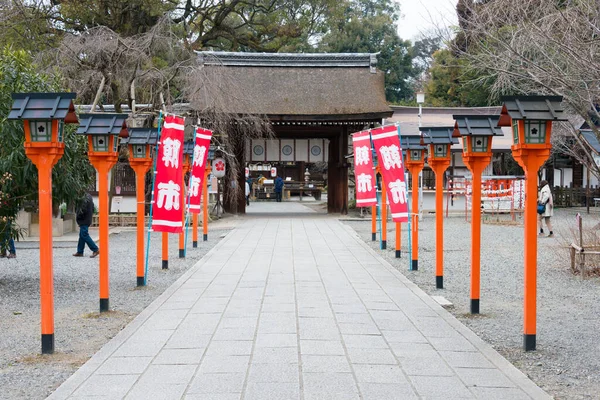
[84,220]
[278,188]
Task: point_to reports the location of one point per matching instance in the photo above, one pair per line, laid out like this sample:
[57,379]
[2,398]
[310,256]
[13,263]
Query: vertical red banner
[366,187]
[386,142]
[203,137]
[168,187]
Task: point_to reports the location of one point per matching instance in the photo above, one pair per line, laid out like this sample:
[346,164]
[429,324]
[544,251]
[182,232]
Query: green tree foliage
[73,174]
[369,26]
[451,85]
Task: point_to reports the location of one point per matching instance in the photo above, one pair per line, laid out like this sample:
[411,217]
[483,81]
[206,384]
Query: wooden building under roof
[304,97]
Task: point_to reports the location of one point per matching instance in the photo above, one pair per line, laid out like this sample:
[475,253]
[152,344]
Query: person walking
[12,252]
[546,206]
[248,192]
[84,220]
[278,189]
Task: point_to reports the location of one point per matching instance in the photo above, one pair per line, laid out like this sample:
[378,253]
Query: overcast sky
[423,15]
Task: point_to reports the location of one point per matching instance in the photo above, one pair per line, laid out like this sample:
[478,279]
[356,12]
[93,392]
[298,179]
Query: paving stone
[156,391]
[466,359]
[277,340]
[371,356]
[230,348]
[232,382]
[386,391]
[143,343]
[365,341]
[441,387]
[274,355]
[179,356]
[483,377]
[168,374]
[329,386]
[272,391]
[187,339]
[279,372]
[321,347]
[312,363]
[490,393]
[217,364]
[213,396]
[124,365]
[373,373]
[455,343]
[112,386]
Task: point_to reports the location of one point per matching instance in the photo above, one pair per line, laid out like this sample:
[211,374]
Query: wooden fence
[574,196]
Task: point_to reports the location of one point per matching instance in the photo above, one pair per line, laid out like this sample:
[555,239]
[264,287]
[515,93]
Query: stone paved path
[296,308]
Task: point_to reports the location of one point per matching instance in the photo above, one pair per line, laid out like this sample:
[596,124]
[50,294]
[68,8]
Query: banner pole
[187,210]
[407,204]
[160,115]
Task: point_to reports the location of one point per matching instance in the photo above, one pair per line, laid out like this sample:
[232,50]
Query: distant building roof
[43,106]
[297,87]
[438,135]
[102,124]
[412,142]
[591,138]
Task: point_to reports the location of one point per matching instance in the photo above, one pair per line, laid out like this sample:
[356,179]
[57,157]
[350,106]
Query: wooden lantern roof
[412,142]
[141,136]
[476,125]
[545,108]
[103,124]
[43,106]
[437,135]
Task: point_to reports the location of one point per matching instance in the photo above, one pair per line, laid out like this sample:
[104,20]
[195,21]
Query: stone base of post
[398,253]
[383,244]
[165,264]
[474,306]
[195,244]
[47,343]
[529,342]
[374,237]
[103,305]
[140,281]
[439,282]
[205,237]
[415,265]
[181,253]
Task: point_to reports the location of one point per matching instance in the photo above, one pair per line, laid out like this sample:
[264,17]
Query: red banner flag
[203,137]
[366,188]
[168,187]
[389,159]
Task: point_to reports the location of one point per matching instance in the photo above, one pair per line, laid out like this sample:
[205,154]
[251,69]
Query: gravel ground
[567,361]
[80,330]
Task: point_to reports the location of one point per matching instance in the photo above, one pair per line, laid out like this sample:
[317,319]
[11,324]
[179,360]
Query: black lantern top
[412,143]
[188,147]
[103,124]
[437,135]
[533,108]
[476,125]
[141,136]
[43,106]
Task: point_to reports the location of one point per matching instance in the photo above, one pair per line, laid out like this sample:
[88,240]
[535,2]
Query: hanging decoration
[366,188]
[168,184]
[203,137]
[386,142]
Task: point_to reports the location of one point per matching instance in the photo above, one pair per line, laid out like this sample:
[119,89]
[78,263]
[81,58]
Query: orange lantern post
[188,150]
[531,120]
[44,116]
[415,161]
[103,131]
[439,140]
[477,132]
[141,142]
[373,223]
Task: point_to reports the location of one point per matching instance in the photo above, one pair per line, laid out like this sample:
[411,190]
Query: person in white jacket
[545,198]
[247,193]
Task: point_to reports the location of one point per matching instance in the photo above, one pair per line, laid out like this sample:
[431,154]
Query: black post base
[141,281]
[181,253]
[439,282]
[165,264]
[47,343]
[474,306]
[373,237]
[103,305]
[383,244]
[398,253]
[205,237]
[528,342]
[195,244]
[415,265]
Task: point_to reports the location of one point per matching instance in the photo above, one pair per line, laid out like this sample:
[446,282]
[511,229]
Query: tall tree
[369,26]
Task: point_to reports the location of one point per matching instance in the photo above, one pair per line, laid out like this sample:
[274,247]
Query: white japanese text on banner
[366,189]
[168,186]
[389,159]
[201,146]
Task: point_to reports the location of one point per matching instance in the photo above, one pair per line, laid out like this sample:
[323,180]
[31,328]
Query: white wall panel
[259,152]
[287,150]
[273,150]
[302,150]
